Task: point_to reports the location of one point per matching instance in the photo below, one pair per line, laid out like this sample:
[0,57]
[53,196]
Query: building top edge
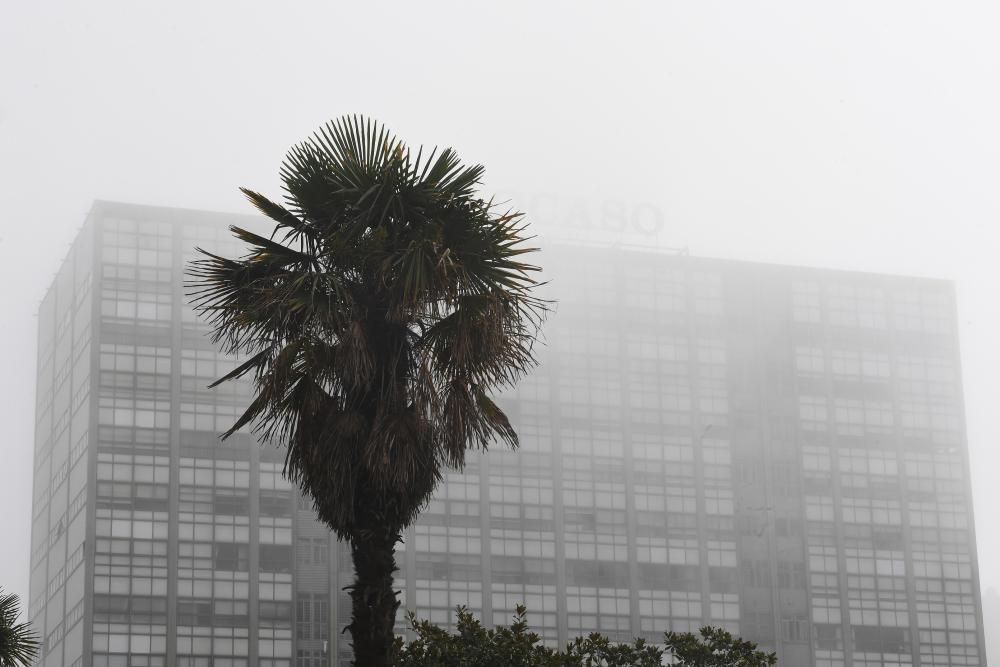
[106,207]
[681,255]
[103,207]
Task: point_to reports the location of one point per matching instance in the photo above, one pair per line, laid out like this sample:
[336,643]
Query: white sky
[855,135]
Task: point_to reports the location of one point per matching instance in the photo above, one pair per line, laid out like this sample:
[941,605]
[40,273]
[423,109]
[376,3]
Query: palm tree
[387,305]
[18,643]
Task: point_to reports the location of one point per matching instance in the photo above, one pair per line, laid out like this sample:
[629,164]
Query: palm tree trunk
[373,599]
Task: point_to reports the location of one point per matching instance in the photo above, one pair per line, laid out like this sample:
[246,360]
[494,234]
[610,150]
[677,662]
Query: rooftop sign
[578,219]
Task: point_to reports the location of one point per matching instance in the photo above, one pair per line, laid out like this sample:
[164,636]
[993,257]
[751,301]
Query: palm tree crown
[377,319]
[377,324]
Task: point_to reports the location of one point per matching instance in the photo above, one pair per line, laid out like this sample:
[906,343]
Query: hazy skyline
[858,136]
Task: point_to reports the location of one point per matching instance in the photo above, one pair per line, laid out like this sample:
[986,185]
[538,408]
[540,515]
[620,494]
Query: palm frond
[19,645]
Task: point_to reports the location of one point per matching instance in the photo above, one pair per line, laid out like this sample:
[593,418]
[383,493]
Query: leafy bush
[473,645]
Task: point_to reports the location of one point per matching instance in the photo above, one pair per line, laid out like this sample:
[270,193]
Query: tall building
[776,450]
[153,544]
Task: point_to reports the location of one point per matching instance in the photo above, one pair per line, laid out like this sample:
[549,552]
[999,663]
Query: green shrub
[472,645]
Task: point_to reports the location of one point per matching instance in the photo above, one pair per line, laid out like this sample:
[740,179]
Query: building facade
[153,543]
[776,450]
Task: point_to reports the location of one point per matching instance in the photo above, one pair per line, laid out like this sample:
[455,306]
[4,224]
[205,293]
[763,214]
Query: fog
[850,135]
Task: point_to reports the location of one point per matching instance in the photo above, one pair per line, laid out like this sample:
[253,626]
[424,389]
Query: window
[806,302]
[313,550]
[276,558]
[234,557]
[809,360]
[794,629]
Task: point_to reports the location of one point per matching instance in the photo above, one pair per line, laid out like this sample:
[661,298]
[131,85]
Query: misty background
[851,135]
